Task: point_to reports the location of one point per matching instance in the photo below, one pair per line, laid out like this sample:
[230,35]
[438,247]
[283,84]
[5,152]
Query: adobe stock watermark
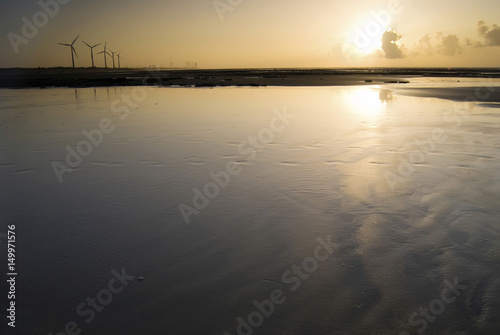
[248,150]
[224,6]
[294,276]
[436,307]
[30,28]
[455,117]
[93,305]
[364,35]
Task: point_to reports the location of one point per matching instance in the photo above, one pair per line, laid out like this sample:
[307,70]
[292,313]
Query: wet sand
[409,210]
[406,186]
[487,94]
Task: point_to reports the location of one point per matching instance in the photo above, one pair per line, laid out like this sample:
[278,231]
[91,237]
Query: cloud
[491,34]
[450,45]
[432,45]
[390,45]
[443,45]
[424,45]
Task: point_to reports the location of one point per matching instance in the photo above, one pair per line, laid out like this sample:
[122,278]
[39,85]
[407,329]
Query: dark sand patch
[489,95]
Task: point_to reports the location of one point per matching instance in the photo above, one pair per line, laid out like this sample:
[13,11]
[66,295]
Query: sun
[366,38]
[374,44]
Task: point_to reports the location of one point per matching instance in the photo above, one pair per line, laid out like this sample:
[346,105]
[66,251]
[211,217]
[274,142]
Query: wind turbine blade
[74,50]
[68,45]
[96,45]
[100,53]
[86,44]
[75,40]
[108,53]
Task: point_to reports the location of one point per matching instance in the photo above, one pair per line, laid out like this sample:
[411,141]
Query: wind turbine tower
[73,51]
[92,51]
[113,56]
[104,52]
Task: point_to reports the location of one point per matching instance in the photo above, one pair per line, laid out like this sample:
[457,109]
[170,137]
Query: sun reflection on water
[364,101]
[367,102]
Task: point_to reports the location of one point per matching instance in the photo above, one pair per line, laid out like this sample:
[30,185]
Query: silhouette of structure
[191,65]
[113,56]
[92,51]
[73,51]
[105,52]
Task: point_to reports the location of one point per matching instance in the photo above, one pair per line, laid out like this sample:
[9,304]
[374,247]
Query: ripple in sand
[485,157]
[315,145]
[106,163]
[24,171]
[40,148]
[153,163]
[242,161]
[120,142]
[194,160]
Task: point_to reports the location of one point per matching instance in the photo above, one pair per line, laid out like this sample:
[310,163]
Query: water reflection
[385,95]
[363,177]
[324,174]
[367,101]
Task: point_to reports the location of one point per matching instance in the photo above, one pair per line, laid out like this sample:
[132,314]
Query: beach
[317,203]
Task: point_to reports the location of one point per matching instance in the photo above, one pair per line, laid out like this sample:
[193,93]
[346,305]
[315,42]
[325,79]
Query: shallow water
[406,187]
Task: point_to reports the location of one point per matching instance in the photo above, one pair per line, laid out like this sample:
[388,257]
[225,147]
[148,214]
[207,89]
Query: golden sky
[253,33]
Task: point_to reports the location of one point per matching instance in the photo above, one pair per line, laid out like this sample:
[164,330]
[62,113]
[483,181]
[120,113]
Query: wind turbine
[105,53]
[113,56]
[119,59]
[92,51]
[73,51]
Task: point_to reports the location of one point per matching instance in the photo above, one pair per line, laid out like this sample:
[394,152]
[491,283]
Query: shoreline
[199,78]
[97,77]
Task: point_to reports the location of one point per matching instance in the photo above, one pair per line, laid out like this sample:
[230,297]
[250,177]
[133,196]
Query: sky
[253,33]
